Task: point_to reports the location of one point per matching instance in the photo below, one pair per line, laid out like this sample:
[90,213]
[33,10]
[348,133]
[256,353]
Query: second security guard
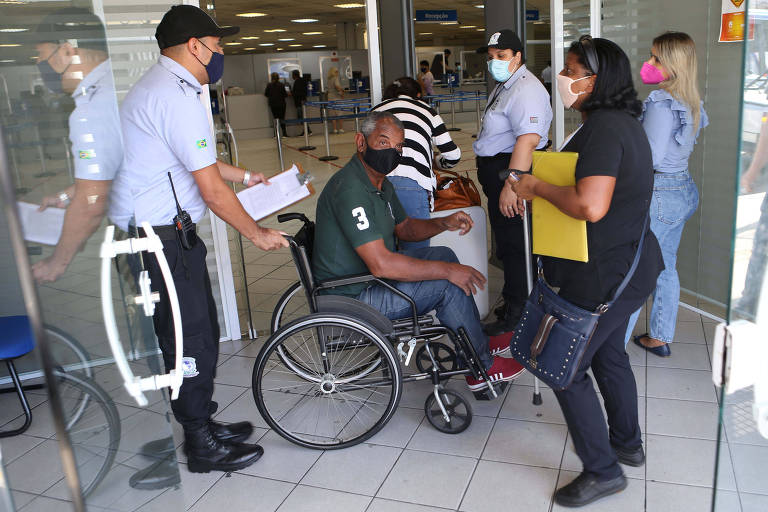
[168,142]
[515,123]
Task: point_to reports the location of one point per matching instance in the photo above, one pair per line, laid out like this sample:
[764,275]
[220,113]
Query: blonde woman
[673,116]
[335,92]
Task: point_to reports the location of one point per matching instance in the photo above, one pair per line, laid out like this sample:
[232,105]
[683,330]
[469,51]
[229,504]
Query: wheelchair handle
[285,217]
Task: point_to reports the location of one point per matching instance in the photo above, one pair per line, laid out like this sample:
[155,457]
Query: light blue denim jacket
[668,125]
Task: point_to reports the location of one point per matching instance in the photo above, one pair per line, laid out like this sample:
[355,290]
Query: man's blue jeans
[454,308]
[675,199]
[415,201]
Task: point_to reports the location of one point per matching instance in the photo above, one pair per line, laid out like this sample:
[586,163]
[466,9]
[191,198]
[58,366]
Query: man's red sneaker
[502,370]
[499,345]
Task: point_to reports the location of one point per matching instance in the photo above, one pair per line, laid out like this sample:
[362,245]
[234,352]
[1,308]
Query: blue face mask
[215,66]
[499,70]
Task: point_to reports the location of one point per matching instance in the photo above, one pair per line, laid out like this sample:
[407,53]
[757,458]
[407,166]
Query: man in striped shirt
[413,179]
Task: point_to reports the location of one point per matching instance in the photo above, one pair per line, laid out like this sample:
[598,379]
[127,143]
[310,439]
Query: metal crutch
[529,281]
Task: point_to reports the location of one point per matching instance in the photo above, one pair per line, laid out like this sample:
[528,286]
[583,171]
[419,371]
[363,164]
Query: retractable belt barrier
[359,107]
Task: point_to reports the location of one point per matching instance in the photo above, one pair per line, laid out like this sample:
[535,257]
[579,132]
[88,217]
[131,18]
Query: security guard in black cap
[168,139]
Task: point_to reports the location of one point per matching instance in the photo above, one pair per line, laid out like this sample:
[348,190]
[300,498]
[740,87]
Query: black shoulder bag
[552,335]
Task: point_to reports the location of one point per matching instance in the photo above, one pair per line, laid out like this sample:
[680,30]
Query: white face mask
[567,95]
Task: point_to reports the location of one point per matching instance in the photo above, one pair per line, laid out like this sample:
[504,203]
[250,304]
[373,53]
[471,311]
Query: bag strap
[604,307]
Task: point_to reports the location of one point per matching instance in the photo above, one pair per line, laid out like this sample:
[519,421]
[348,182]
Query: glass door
[741,353]
[75,321]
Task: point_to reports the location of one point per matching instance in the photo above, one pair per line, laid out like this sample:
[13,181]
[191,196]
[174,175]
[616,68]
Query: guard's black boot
[586,488]
[206,453]
[163,473]
[157,449]
[231,432]
[507,323]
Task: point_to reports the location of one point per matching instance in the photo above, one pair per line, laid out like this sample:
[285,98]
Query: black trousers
[607,357]
[278,112]
[200,328]
[508,232]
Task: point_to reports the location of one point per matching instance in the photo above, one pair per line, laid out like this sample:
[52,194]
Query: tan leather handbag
[455,191]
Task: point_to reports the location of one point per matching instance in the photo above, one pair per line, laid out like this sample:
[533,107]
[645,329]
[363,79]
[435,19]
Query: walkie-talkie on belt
[185,228]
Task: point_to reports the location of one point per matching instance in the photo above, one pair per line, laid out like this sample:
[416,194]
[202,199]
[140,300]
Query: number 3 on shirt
[362,220]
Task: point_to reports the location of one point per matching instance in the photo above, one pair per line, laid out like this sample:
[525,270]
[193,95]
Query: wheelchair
[331,373]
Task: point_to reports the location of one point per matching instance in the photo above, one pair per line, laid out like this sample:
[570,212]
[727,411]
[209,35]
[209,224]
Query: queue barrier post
[279,144]
[306,146]
[453,116]
[357,119]
[328,156]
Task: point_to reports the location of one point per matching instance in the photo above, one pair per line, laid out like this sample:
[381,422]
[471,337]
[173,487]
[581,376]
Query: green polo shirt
[352,212]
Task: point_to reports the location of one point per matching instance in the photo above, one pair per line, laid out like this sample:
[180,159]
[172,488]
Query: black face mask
[382,161]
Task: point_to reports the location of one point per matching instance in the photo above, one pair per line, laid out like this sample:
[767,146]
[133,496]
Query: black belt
[163,232]
[494,158]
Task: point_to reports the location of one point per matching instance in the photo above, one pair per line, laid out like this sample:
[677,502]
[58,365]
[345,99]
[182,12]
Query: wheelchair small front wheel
[455,407]
[444,356]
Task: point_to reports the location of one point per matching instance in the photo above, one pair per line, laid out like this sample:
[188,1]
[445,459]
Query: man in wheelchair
[358,220]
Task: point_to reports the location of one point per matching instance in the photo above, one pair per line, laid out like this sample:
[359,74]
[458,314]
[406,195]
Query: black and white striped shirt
[423,128]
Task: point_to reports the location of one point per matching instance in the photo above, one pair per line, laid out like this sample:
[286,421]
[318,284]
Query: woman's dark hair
[404,85]
[614,89]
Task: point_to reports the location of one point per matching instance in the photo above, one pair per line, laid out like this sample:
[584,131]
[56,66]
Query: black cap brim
[227,31]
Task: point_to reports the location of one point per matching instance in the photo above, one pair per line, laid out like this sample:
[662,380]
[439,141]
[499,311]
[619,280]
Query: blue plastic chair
[16,340]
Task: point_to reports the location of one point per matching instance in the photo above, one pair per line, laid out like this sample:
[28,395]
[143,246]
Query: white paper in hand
[41,227]
[263,200]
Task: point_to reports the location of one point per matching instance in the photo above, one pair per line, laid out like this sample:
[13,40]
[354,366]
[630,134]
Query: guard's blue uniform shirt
[516,107]
[668,123]
[94,126]
[165,129]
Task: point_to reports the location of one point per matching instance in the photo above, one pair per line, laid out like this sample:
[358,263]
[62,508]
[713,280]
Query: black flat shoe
[661,351]
[634,458]
[586,488]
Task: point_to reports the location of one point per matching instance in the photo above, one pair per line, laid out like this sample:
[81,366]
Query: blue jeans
[675,199]
[415,201]
[454,308]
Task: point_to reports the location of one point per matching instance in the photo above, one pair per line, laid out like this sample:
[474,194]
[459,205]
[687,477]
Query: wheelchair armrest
[368,278]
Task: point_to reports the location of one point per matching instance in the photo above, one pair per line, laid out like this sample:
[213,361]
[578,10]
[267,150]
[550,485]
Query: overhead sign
[531,15]
[441,16]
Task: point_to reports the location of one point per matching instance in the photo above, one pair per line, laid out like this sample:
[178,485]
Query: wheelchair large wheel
[457,408]
[291,306]
[334,404]
[93,425]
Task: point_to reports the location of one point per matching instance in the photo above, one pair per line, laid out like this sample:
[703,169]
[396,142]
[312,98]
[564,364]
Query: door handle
[110,248]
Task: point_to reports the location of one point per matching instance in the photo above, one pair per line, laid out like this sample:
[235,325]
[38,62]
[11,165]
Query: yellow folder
[555,233]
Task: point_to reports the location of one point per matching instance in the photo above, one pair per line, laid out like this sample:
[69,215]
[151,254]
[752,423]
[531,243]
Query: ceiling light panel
[251,14]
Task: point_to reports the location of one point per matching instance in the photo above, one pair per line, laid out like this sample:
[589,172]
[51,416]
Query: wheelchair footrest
[485,393]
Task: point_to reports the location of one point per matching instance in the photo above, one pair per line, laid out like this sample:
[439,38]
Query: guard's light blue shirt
[165,129]
[516,107]
[668,123]
[94,126]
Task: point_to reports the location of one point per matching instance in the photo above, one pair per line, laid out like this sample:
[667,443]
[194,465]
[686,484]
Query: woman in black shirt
[614,183]
[276,94]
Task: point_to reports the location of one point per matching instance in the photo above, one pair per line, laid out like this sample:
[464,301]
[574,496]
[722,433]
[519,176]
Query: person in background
[613,194]
[72,58]
[413,178]
[515,123]
[276,94]
[546,77]
[335,92]
[441,65]
[299,93]
[673,116]
[426,79]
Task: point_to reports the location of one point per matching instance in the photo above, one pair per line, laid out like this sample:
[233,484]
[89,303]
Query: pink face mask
[651,75]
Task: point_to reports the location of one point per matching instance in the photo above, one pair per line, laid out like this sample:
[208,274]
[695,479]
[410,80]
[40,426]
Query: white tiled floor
[514,455]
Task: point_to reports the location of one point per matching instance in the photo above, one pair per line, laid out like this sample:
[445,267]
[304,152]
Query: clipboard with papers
[553,232]
[286,188]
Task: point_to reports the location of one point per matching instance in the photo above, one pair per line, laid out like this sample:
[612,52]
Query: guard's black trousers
[607,357]
[200,328]
[510,248]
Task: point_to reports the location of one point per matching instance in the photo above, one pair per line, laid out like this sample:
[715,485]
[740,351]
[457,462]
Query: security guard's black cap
[183,22]
[503,40]
[78,26]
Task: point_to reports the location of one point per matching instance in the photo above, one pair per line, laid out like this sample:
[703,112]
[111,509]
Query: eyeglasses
[588,45]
